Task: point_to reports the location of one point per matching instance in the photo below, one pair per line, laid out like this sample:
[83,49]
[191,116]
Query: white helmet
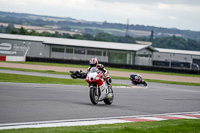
[93,62]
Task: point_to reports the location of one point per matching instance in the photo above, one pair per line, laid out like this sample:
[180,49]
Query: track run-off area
[25,102]
[24,105]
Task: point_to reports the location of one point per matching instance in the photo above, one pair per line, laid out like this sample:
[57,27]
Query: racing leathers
[135,78]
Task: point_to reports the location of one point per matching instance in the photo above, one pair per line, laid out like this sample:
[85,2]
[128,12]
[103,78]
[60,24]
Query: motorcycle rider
[135,78]
[94,63]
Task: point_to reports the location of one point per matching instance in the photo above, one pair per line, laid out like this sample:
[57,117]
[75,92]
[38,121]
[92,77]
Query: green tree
[33,33]
[56,34]
[44,33]
[23,31]
[176,43]
[77,36]
[88,36]
[14,31]
[66,35]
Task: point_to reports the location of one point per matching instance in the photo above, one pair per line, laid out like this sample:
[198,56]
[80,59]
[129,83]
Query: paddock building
[176,58]
[18,47]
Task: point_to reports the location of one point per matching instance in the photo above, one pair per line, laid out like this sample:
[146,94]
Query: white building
[60,48]
[17,47]
[176,58]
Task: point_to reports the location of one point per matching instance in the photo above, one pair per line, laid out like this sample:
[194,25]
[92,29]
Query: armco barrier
[106,64]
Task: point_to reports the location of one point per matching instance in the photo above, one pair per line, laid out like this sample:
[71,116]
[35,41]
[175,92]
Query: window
[115,57]
[69,50]
[57,49]
[104,53]
[161,63]
[79,51]
[92,52]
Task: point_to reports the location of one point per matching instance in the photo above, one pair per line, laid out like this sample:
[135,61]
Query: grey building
[17,47]
[20,46]
[176,58]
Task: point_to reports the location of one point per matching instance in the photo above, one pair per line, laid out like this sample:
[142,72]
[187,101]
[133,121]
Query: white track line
[182,116]
[75,123]
[93,121]
[152,118]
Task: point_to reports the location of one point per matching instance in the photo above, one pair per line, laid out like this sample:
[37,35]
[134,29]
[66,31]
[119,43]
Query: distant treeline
[176,43]
[164,42]
[91,27]
[99,37]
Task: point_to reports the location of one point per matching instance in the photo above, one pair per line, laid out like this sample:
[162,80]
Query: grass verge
[108,68]
[5,77]
[40,71]
[161,81]
[167,126]
[113,77]
[172,82]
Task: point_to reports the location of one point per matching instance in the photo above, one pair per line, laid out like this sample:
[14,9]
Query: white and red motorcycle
[99,89]
[137,79]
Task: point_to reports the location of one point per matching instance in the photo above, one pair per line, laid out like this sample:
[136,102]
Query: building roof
[175,51]
[79,43]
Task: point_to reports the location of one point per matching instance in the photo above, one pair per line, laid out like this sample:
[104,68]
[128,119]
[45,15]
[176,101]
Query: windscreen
[93,69]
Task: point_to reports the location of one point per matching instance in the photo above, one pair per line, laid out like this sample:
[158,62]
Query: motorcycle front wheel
[93,96]
[73,76]
[110,98]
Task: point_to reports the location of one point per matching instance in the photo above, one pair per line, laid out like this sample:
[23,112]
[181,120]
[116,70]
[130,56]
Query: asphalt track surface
[23,102]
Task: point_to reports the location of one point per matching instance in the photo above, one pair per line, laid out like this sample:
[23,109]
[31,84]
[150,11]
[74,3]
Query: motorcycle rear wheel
[93,96]
[109,100]
[144,83]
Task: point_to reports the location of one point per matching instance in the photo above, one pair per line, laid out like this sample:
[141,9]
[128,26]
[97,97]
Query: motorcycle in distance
[78,74]
[99,90]
[137,79]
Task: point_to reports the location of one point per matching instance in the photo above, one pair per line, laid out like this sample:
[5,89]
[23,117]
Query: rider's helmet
[131,75]
[93,62]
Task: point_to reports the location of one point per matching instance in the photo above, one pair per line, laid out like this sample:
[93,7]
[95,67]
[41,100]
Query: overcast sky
[181,14]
